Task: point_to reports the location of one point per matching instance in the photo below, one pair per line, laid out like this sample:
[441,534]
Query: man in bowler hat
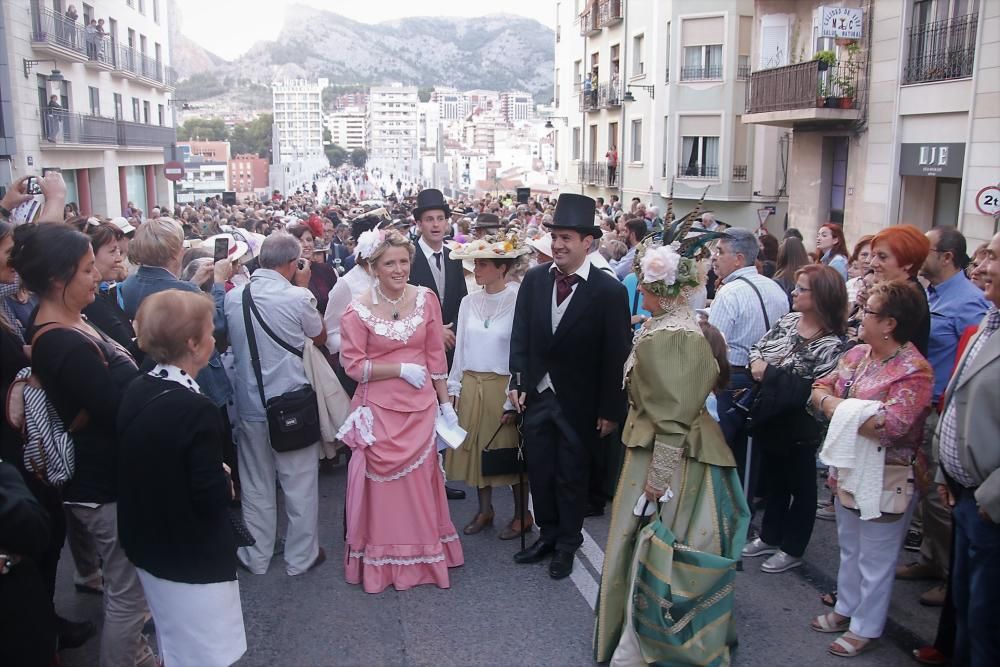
[568,346]
[432,269]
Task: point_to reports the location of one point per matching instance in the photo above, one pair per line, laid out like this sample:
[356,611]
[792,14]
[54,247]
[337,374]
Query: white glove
[448,413]
[415,374]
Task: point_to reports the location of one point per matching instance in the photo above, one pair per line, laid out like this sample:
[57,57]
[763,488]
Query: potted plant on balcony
[847,80]
[825,59]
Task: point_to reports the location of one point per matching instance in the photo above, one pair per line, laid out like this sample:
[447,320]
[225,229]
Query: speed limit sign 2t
[988,200]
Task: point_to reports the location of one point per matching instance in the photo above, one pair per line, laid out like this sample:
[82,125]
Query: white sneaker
[780,562]
[757,547]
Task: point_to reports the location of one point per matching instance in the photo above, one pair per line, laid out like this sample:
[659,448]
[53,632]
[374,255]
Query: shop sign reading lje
[943,160]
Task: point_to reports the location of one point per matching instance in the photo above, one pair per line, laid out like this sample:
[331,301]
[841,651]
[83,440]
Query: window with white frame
[774,36]
[95,101]
[636,140]
[703,62]
[699,157]
[666,39]
[638,57]
[576,143]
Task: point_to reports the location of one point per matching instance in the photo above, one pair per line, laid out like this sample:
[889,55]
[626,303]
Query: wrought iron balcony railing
[941,50]
[697,170]
[701,73]
[806,86]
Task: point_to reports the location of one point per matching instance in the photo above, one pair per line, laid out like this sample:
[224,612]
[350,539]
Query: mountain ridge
[496,51]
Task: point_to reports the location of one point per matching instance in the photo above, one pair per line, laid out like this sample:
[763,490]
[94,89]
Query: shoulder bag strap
[50,326]
[767,320]
[247,297]
[252,339]
[146,405]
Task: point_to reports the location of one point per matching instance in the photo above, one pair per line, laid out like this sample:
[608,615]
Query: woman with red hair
[832,248]
[897,253]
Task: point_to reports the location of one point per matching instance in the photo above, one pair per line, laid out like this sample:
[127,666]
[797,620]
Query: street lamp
[29,65]
[548,121]
[629,97]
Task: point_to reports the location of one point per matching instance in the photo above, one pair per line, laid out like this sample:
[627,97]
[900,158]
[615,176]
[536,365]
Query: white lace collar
[400,330]
[175,374]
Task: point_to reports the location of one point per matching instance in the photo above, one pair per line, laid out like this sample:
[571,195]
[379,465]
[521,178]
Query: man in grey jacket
[968,446]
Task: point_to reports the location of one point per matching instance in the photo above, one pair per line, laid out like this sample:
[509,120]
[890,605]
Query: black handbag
[508,461]
[292,417]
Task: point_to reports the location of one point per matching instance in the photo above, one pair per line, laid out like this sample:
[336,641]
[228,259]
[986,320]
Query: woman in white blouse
[350,286]
[479,377]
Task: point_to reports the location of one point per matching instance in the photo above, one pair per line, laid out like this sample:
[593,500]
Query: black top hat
[576,212]
[486,221]
[428,200]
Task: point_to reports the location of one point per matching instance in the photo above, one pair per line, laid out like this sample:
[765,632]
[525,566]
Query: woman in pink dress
[399,530]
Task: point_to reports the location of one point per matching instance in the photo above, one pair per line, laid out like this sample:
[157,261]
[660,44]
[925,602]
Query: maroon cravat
[564,286]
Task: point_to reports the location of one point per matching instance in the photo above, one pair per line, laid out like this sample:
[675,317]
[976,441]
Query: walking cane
[522,470]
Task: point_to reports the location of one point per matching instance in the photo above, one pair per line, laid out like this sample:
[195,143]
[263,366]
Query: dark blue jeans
[975,572]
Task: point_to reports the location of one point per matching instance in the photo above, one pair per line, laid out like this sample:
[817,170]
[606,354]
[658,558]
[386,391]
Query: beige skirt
[480,407]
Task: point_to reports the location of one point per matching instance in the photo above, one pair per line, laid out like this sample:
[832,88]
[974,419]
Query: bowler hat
[428,200]
[575,211]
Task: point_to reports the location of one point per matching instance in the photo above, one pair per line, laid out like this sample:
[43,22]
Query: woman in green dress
[679,517]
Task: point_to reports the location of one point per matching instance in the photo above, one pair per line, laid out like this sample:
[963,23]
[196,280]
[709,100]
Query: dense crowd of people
[171,367]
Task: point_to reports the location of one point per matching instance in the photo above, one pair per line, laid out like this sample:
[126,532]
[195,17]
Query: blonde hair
[167,320]
[157,242]
[393,239]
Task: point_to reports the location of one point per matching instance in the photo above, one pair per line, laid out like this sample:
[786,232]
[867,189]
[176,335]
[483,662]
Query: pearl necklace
[395,302]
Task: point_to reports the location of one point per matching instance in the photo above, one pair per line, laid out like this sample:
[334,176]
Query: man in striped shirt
[745,308]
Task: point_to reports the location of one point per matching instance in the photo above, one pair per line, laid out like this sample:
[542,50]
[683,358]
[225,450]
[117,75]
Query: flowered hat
[666,262]
[499,246]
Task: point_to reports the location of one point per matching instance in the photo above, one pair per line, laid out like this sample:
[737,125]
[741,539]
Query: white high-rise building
[94,105]
[348,128]
[392,130]
[516,106]
[298,118]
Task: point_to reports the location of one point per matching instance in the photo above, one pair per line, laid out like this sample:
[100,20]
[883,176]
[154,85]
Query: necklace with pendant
[501,304]
[394,302]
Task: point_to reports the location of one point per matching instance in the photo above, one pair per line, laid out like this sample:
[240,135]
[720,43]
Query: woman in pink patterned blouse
[887,368]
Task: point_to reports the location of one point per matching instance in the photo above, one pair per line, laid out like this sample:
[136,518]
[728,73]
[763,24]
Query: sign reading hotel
[932,160]
[841,22]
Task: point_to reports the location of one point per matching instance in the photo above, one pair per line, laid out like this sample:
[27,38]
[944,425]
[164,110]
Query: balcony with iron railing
[697,170]
[812,93]
[941,50]
[603,96]
[589,24]
[740,173]
[713,73]
[609,13]
[597,173]
[55,35]
[63,129]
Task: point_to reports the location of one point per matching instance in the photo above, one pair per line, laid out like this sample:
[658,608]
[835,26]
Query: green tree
[358,157]
[253,137]
[424,93]
[337,155]
[206,129]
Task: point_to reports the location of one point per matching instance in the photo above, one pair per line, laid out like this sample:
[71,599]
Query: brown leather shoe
[917,571]
[934,597]
[478,523]
[515,529]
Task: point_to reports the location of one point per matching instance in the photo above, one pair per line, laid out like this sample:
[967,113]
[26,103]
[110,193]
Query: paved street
[499,613]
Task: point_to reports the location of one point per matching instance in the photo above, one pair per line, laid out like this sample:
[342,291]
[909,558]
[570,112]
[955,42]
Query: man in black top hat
[566,314]
[485,224]
[431,268]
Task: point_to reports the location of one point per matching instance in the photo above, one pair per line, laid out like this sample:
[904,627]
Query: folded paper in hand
[448,434]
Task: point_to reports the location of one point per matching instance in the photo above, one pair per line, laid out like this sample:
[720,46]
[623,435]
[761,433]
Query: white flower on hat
[660,264]
[368,242]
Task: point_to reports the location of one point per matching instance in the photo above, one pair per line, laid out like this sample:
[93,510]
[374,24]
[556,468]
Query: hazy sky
[230,27]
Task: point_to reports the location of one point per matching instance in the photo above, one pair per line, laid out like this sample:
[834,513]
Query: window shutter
[773,42]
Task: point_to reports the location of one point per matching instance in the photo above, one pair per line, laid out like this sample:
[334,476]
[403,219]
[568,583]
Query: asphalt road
[499,613]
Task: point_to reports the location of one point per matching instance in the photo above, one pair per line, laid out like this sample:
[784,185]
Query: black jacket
[173,492]
[585,356]
[454,283]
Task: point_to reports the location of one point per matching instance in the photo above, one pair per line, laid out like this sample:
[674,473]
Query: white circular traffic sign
[988,200]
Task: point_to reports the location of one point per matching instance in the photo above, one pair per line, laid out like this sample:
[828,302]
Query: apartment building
[298,118]
[658,87]
[516,106]
[210,150]
[393,139]
[892,109]
[248,175]
[92,104]
[348,127]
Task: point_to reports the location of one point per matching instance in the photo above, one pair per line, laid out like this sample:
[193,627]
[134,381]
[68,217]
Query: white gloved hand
[415,374]
[448,413]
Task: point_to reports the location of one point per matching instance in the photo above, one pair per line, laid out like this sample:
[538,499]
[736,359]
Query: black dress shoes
[536,553]
[454,494]
[594,510]
[561,565]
